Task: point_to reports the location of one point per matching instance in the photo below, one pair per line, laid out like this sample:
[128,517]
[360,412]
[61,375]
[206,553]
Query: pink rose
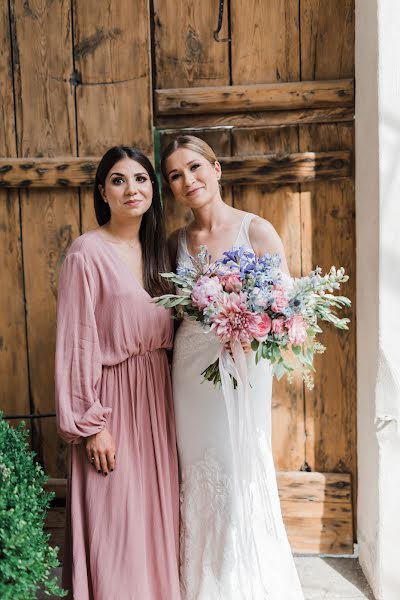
[278,325]
[205,291]
[231,282]
[280,300]
[264,327]
[297,330]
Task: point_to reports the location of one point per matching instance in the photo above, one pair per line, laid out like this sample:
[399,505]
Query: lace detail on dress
[211,566]
[207,524]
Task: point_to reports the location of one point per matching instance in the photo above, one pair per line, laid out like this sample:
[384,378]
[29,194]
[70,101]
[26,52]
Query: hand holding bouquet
[247,299]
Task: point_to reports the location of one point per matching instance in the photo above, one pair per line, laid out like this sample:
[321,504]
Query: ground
[327,579]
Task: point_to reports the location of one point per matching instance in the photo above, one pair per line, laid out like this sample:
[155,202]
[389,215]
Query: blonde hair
[189,142]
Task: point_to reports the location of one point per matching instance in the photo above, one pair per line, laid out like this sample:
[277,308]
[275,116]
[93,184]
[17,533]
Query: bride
[233,542]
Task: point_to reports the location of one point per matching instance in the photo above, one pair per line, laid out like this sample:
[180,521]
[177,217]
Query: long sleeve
[78,356]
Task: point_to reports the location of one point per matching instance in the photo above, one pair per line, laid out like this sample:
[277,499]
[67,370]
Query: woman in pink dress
[113,395]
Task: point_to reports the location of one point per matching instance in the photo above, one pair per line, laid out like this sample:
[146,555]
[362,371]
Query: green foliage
[26,558]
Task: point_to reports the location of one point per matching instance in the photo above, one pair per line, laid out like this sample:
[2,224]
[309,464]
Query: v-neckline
[233,245]
[120,259]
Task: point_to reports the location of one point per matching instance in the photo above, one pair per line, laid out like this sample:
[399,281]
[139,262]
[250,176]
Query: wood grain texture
[113,96]
[14,389]
[42,71]
[282,208]
[7,120]
[186,53]
[280,118]
[327,39]
[277,169]
[280,169]
[328,224]
[317,511]
[265,41]
[50,219]
[251,98]
[259,57]
[60,172]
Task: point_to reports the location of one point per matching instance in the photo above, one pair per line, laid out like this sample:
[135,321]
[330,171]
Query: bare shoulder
[173,247]
[264,238]
[263,235]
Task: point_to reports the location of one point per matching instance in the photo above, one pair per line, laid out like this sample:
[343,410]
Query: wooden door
[281,86]
[275,101]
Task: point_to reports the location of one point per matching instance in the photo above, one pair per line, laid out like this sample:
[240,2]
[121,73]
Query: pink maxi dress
[112,371]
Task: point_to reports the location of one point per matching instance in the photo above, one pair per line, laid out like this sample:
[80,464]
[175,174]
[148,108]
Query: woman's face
[192,178]
[127,189]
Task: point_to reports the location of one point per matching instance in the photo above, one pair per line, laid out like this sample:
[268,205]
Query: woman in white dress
[233,542]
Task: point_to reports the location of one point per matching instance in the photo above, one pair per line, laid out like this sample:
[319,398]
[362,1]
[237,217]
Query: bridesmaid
[113,394]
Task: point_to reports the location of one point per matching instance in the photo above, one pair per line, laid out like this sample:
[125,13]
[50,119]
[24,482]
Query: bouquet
[245,299]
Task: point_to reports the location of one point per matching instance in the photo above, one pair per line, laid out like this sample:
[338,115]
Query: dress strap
[182,255]
[243,238]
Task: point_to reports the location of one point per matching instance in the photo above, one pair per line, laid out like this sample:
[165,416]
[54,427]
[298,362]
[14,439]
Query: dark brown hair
[152,232]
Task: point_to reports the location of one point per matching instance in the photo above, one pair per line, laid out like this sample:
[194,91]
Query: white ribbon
[252,501]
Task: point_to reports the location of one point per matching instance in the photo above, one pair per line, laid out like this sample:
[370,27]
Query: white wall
[378,289]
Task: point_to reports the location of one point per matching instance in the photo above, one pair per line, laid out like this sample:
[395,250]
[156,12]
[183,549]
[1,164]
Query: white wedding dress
[233,542]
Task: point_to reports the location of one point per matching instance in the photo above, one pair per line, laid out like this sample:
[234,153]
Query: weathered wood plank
[14,389]
[284,118]
[274,59]
[328,222]
[319,535]
[186,53]
[297,95]
[327,39]
[289,168]
[7,120]
[282,208]
[265,169]
[64,172]
[114,104]
[265,41]
[50,219]
[299,486]
[316,509]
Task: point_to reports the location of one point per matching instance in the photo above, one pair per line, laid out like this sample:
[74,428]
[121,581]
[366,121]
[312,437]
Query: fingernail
[111,470]
[105,474]
[99,471]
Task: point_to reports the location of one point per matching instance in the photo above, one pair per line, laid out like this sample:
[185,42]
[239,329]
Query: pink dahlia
[297,330]
[234,321]
[264,327]
[280,299]
[231,282]
[205,291]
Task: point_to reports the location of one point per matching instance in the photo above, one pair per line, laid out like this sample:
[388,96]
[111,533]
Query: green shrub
[26,558]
